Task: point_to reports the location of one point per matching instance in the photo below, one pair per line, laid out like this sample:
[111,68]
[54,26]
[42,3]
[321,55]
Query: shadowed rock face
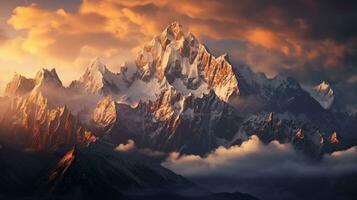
[95,172]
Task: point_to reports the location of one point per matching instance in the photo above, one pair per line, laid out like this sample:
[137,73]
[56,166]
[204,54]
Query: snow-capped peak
[324,94]
[99,79]
[96,65]
[183,61]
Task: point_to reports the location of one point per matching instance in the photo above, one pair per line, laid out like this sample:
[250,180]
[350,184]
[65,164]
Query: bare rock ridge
[38,118]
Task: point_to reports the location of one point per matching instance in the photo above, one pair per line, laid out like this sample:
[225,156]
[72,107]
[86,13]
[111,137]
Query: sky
[311,40]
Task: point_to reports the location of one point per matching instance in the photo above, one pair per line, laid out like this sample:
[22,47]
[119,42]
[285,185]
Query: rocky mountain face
[35,117]
[324,94]
[102,173]
[305,136]
[194,101]
[163,124]
[179,97]
[168,60]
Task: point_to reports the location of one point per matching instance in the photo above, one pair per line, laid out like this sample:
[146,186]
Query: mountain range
[178,97]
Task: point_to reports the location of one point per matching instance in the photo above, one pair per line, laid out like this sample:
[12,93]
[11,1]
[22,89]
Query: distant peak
[324,86]
[334,138]
[46,72]
[19,85]
[47,76]
[324,94]
[175,26]
[97,65]
[18,77]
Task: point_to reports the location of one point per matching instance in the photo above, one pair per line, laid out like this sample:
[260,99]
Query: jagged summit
[324,94]
[171,59]
[48,75]
[40,110]
[96,65]
[106,112]
[19,85]
[173,31]
[324,86]
[98,79]
[185,63]
[333,138]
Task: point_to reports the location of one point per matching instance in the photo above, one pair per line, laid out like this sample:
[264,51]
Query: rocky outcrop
[324,94]
[171,123]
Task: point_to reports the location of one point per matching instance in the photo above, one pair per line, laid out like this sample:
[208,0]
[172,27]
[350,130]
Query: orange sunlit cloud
[115,30]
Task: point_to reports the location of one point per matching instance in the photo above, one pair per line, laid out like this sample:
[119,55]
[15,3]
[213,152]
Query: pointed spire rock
[174,31]
[105,113]
[186,64]
[300,134]
[96,65]
[333,138]
[45,76]
[324,94]
[98,79]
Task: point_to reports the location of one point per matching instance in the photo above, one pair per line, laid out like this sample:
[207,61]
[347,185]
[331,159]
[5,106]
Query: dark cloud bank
[320,37]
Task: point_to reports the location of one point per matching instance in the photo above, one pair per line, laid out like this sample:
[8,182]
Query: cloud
[62,35]
[278,26]
[293,37]
[253,159]
[3,37]
[273,171]
[126,147]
